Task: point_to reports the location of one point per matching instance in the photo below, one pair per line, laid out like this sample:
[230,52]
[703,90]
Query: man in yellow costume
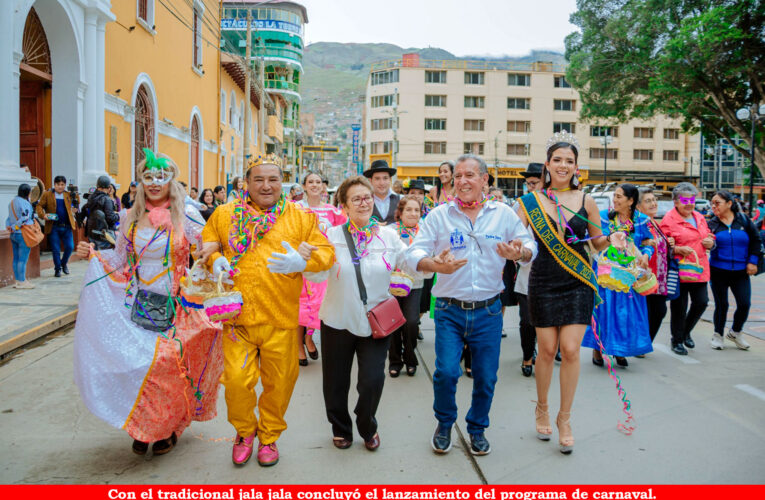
[253,233]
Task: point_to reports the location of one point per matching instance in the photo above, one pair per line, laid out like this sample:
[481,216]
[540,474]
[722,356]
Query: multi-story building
[422,112]
[277,45]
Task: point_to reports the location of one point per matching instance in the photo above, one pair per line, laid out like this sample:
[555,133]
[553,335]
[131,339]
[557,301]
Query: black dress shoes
[526,370]
[679,349]
[622,361]
[689,343]
[598,361]
[65,269]
[373,443]
[57,274]
[139,447]
[442,439]
[165,445]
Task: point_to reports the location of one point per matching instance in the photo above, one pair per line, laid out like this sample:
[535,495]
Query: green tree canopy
[700,60]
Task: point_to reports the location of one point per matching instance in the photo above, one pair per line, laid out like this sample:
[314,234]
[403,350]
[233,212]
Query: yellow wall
[167,58]
[227,132]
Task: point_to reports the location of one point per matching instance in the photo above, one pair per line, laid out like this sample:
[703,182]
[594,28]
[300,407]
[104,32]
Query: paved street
[699,419]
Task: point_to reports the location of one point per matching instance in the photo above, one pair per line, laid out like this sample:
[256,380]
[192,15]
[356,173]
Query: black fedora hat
[416,184]
[379,166]
[533,170]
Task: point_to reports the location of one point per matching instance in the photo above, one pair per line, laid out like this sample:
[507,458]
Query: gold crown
[270,159]
[562,136]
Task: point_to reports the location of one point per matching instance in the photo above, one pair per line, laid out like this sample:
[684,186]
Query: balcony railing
[282,85]
[289,123]
[465,64]
[293,54]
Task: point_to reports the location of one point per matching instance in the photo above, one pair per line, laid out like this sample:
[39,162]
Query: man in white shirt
[472,237]
[385,199]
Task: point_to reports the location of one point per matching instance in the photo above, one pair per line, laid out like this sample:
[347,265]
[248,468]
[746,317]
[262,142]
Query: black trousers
[684,319]
[338,348]
[404,340]
[528,332]
[739,284]
[657,309]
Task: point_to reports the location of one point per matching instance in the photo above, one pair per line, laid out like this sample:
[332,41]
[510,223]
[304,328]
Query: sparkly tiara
[562,136]
[270,159]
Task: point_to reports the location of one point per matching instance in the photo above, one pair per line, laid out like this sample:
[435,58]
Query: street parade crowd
[233,288]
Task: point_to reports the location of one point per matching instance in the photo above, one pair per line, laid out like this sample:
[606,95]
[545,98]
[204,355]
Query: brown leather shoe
[373,443]
[341,443]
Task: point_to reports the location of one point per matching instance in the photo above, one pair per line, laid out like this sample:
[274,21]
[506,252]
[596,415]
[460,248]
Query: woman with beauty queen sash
[143,362]
[313,293]
[562,284]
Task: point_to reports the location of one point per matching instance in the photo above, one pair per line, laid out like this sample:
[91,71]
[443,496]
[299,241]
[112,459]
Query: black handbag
[152,311]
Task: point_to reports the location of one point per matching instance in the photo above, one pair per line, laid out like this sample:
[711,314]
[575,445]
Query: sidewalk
[30,314]
[755,325]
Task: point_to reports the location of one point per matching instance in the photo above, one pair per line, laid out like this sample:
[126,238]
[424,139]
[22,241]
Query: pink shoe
[242,449]
[268,454]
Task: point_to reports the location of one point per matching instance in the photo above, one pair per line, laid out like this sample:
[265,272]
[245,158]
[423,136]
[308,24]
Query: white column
[100,87]
[10,57]
[92,165]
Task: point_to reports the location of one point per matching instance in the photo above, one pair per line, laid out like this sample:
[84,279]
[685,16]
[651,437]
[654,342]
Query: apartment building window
[144,11]
[381,124]
[474,125]
[671,155]
[197,28]
[518,150]
[473,77]
[518,103]
[644,133]
[436,101]
[435,148]
[671,133]
[475,148]
[519,79]
[377,148]
[604,131]
[560,82]
[519,126]
[382,77]
[435,124]
[472,101]
[564,105]
[642,154]
[435,76]
[379,101]
[570,127]
[600,153]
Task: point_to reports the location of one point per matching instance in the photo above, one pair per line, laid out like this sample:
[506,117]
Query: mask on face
[687,200]
[158,172]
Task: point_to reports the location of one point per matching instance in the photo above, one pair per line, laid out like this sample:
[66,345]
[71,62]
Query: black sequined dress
[557,298]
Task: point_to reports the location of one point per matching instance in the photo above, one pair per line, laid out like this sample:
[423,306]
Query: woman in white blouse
[345,330]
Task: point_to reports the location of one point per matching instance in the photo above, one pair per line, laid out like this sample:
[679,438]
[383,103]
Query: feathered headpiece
[154,162]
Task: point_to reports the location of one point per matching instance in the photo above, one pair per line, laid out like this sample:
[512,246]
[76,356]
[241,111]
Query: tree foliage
[699,60]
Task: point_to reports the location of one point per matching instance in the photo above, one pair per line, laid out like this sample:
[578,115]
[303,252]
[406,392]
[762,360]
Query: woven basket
[690,272]
[400,284]
[646,285]
[613,275]
[196,286]
[222,305]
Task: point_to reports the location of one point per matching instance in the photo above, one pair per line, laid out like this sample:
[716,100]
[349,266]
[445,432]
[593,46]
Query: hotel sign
[260,24]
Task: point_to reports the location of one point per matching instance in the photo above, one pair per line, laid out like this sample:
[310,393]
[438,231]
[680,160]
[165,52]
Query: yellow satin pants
[267,353]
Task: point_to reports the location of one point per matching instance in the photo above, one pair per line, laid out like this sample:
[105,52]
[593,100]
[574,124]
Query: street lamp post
[605,141]
[755,115]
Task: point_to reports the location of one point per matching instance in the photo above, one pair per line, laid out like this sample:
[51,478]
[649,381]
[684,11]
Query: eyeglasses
[362,200]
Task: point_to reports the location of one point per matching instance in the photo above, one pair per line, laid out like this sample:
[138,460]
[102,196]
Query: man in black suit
[385,199]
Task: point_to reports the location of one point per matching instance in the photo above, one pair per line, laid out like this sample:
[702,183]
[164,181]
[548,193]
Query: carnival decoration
[400,284]
[222,305]
[691,271]
[196,286]
[616,270]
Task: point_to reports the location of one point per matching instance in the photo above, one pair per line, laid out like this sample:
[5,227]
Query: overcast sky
[463,27]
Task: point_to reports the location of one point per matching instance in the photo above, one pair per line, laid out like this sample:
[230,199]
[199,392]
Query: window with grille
[518,103]
[604,131]
[519,79]
[644,132]
[437,101]
[474,125]
[564,105]
[671,155]
[435,124]
[567,126]
[197,28]
[474,101]
[435,148]
[143,10]
[517,149]
[561,83]
[519,126]
[475,148]
[600,153]
[144,123]
[671,133]
[473,77]
[435,77]
[642,154]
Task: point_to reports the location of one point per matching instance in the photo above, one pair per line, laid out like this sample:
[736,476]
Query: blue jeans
[481,330]
[59,234]
[20,256]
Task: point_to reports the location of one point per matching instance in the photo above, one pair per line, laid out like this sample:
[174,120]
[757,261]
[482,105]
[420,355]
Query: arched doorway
[144,124]
[194,145]
[35,98]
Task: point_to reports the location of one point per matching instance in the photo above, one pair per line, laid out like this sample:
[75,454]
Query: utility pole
[395,129]
[262,111]
[605,141]
[247,100]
